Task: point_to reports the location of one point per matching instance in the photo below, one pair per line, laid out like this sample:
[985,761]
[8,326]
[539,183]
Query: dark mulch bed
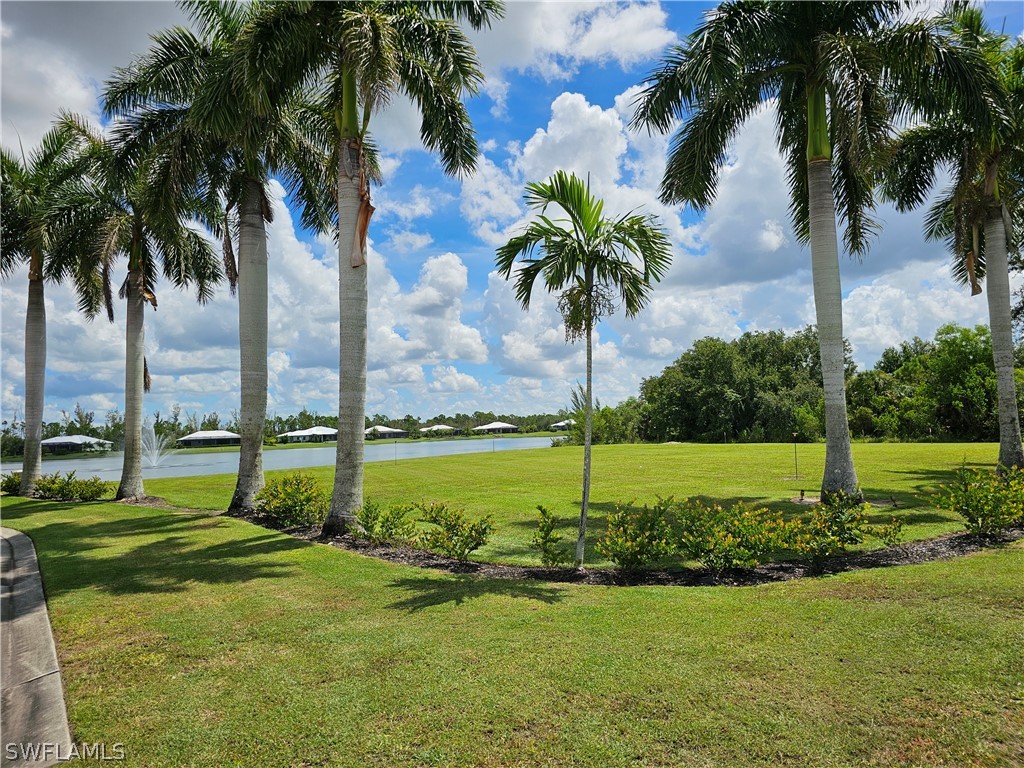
[913,552]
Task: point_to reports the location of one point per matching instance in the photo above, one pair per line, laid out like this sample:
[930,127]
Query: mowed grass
[509,486]
[207,641]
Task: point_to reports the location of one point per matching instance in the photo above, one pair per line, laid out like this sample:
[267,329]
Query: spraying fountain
[154,447]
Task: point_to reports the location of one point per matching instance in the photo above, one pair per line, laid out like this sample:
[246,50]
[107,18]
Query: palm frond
[166,74]
[479,13]
[698,151]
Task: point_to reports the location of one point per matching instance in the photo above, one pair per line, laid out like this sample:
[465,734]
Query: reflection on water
[108,467]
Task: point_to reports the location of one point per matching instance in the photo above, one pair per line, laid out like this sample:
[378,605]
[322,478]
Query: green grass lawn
[509,485]
[207,641]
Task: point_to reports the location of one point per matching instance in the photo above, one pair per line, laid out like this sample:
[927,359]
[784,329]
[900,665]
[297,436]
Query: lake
[108,467]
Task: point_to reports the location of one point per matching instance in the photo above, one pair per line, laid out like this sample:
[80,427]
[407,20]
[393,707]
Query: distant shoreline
[291,446]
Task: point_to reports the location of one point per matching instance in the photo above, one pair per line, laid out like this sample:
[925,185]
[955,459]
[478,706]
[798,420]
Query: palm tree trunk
[131,470]
[1011,453]
[252,343]
[588,433]
[840,474]
[35,375]
[347,498]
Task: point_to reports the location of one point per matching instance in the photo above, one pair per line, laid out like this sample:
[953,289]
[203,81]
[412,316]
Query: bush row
[740,536]
[59,488]
[721,538]
[448,532]
[297,499]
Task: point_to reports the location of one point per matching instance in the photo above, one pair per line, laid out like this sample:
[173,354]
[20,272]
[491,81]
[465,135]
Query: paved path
[35,721]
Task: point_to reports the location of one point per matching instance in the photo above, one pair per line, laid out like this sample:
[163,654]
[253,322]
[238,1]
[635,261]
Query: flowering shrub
[735,537]
[836,523]
[637,536]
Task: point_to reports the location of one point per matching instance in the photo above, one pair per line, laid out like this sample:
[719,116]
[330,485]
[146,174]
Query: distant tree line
[766,387]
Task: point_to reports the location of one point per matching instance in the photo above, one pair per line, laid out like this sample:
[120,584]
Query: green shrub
[835,524]
[53,486]
[90,489]
[295,499]
[452,534]
[735,537]
[546,541]
[385,525]
[637,536]
[11,484]
[844,516]
[890,535]
[987,501]
[70,488]
[817,539]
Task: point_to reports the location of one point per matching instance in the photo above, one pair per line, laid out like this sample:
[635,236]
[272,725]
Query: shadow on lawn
[72,554]
[428,591]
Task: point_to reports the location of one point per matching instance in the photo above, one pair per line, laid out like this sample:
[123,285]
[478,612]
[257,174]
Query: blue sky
[445,332]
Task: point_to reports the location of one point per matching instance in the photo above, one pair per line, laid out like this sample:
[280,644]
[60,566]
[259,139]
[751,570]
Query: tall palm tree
[111,213]
[591,261]
[975,214]
[178,100]
[366,53]
[29,189]
[836,73]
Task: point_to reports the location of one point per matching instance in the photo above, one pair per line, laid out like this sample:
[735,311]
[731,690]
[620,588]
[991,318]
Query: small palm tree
[111,213]
[365,53]
[836,73]
[592,262]
[178,100]
[975,214]
[30,188]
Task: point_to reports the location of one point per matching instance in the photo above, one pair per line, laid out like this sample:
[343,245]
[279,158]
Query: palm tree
[836,73]
[110,213]
[29,189]
[590,261]
[365,53]
[178,99]
[975,214]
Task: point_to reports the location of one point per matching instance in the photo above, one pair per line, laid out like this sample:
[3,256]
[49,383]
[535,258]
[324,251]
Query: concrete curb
[32,708]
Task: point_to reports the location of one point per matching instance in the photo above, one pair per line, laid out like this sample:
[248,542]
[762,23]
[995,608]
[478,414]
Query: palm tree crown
[837,74]
[625,254]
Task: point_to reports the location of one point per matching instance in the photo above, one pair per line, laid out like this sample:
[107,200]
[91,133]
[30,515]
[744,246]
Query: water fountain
[154,447]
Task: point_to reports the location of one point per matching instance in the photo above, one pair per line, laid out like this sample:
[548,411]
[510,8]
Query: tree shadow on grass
[429,591]
[72,554]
